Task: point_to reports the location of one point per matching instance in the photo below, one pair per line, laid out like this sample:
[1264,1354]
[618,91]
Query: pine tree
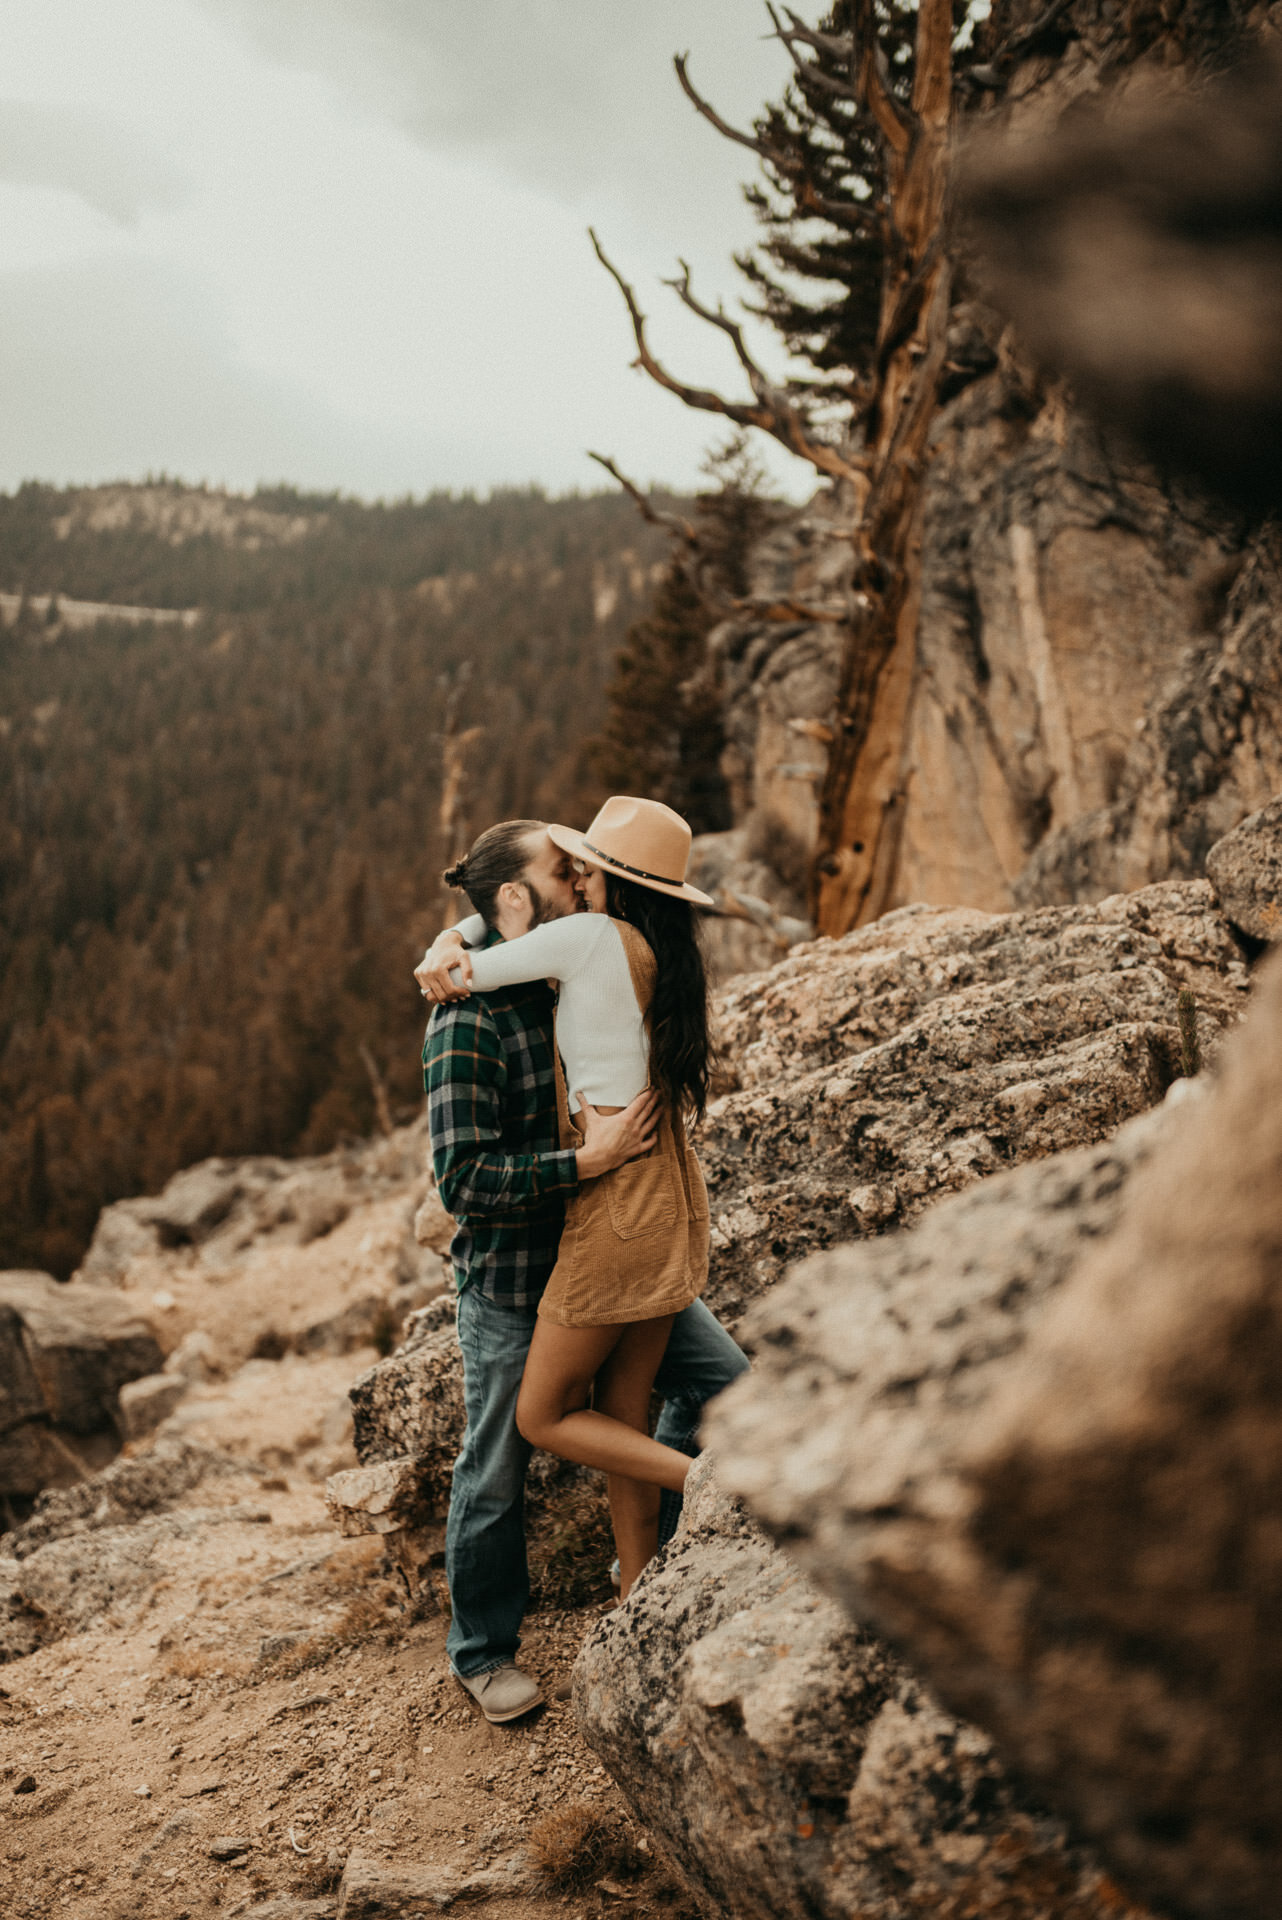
[819,205]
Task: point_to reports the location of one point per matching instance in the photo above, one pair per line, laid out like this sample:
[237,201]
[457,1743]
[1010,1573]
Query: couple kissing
[566,1052]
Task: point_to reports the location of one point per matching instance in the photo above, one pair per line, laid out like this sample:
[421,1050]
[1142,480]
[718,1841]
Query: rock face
[90,1545]
[911,1058]
[1209,751]
[792,1766]
[1056,1482]
[65,1353]
[1245,869]
[1091,694]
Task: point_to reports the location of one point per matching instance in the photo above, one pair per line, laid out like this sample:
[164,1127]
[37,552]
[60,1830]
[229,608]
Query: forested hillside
[220,845]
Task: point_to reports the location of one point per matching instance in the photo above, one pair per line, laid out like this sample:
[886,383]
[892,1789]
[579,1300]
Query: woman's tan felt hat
[640,839]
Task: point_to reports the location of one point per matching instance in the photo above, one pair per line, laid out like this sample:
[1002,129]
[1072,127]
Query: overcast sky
[342,242]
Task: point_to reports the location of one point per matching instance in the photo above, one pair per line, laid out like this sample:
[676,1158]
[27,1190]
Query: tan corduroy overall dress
[635,1242]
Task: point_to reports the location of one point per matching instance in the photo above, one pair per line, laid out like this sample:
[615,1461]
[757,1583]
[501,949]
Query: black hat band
[638,873]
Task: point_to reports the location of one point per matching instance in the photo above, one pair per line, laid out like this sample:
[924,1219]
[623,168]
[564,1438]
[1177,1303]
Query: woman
[632,1011]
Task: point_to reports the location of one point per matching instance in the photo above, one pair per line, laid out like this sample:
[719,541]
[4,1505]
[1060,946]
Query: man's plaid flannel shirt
[490,1078]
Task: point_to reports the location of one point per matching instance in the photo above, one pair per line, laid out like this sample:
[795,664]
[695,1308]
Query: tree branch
[720,319]
[850,215]
[838,46]
[869,77]
[657,517]
[710,114]
[765,606]
[772,413]
[808,196]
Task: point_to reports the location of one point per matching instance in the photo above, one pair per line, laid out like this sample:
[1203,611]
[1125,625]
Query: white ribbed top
[600,1029]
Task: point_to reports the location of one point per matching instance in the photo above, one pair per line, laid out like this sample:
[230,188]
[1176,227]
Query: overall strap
[566,1132]
[641,965]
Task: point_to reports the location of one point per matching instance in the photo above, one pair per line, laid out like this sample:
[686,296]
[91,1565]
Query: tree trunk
[857,809]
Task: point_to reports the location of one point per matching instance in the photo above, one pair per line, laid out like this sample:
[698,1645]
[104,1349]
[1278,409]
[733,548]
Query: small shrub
[1190,1048]
[201,1663]
[578,1845]
[313,1879]
[365,1615]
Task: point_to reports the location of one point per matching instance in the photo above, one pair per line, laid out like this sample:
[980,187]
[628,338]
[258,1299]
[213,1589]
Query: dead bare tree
[879,452]
[770,409]
[456,745]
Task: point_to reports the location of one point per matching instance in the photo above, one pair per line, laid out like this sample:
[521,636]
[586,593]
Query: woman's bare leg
[552,1413]
[623,1388]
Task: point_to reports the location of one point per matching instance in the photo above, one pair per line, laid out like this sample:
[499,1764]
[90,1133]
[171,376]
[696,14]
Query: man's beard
[541,910]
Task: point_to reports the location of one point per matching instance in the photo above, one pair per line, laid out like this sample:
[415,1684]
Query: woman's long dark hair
[681,1053]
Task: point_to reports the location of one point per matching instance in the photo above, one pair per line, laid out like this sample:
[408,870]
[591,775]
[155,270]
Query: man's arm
[464,1074]
[449,949]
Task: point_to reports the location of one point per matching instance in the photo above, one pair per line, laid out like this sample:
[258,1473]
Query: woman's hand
[433,970]
[611,1138]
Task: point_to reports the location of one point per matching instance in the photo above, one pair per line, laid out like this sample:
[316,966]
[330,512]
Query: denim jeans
[485,1559]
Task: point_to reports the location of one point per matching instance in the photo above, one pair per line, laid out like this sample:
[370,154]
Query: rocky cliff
[787,1761]
[1094,694]
[1090,692]
[782,1758]
[1035,1441]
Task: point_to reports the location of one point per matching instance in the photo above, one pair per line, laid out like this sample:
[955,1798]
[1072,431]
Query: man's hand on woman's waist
[610,1139]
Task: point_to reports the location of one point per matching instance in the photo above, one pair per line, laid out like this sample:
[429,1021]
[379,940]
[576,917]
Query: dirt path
[259,1691]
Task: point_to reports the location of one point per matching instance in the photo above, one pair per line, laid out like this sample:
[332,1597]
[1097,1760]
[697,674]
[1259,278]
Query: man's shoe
[505,1693]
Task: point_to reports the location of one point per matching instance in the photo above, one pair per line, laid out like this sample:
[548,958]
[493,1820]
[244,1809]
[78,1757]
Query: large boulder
[1058,1484]
[65,1353]
[228,1209]
[789,1763]
[1245,869]
[88,1546]
[911,1058]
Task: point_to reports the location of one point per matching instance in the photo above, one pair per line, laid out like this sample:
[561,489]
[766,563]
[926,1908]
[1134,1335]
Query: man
[489,1072]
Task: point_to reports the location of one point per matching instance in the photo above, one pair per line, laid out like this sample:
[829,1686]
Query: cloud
[89,153]
[578,97]
[342,241]
[112,368]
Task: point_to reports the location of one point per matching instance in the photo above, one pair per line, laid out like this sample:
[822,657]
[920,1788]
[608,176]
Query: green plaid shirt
[490,1077]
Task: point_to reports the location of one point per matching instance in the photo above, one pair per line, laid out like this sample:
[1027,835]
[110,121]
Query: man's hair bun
[456,876]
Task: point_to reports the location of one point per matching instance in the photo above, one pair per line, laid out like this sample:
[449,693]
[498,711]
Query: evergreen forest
[220,843]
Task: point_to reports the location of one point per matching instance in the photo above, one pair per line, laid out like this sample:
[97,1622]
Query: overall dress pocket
[641,1195]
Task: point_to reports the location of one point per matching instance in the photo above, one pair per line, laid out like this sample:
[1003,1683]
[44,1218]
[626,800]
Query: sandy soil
[271,1686]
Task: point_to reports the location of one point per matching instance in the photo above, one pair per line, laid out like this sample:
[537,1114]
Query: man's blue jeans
[485,1559]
